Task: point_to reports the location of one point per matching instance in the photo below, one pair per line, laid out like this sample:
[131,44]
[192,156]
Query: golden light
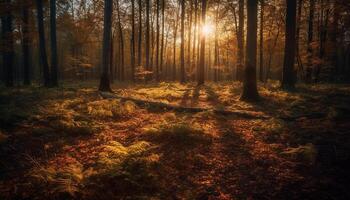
[207,29]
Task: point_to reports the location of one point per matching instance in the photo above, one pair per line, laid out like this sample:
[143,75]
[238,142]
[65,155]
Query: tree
[107,23]
[140,34]
[250,91]
[216,45]
[162,40]
[297,52]
[42,43]
[147,35]
[7,38]
[261,47]
[26,43]
[132,56]
[189,32]
[240,38]
[310,34]
[176,22]
[182,48]
[288,75]
[157,41]
[54,71]
[202,47]
[195,34]
[121,40]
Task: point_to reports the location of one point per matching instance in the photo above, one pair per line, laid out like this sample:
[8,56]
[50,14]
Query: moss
[70,126]
[304,153]
[105,109]
[178,134]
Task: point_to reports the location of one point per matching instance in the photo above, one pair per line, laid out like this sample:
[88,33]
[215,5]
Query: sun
[207,29]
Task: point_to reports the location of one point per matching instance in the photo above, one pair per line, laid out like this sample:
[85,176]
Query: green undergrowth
[124,170]
[178,132]
[105,109]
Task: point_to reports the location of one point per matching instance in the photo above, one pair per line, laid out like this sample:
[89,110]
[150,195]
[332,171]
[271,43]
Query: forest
[175,99]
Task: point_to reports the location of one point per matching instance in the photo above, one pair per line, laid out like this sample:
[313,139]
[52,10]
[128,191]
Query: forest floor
[70,143]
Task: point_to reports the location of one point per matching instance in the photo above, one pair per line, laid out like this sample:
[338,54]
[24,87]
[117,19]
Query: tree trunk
[111,60]
[202,46]
[194,63]
[132,49]
[157,42]
[261,47]
[250,91]
[26,44]
[54,70]
[299,62]
[107,23]
[182,48]
[162,40]
[189,32]
[308,75]
[333,38]
[139,58]
[42,45]
[121,40]
[216,46]
[240,39]
[288,76]
[147,35]
[174,47]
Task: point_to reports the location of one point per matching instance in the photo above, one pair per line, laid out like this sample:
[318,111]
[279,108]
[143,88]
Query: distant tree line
[44,41]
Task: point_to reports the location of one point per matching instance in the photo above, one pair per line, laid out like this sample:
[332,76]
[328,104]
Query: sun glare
[207,29]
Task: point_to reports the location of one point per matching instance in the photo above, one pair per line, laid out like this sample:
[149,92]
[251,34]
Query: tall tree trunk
[121,40]
[308,75]
[152,32]
[139,58]
[42,45]
[333,38]
[240,39]
[147,35]
[174,47]
[194,58]
[202,46]
[26,44]
[54,70]
[234,71]
[182,48]
[111,60]
[162,40]
[288,76]
[157,41]
[107,26]
[250,91]
[299,62]
[7,42]
[189,32]
[216,45]
[271,53]
[132,49]
[261,47]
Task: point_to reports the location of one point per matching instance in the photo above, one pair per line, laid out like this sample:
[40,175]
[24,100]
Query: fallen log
[177,108]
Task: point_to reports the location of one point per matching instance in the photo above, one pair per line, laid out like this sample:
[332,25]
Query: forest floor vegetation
[71,143]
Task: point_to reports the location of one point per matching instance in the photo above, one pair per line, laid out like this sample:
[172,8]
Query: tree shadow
[213,97]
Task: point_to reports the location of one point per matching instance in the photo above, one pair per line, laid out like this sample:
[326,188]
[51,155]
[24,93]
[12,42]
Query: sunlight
[208,29]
